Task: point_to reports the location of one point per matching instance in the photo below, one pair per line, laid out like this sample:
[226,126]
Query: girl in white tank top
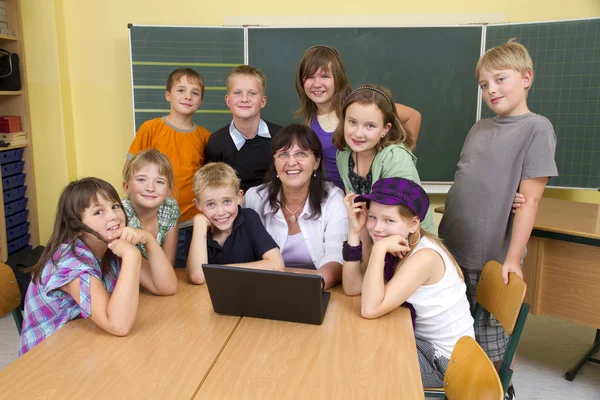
[406,265]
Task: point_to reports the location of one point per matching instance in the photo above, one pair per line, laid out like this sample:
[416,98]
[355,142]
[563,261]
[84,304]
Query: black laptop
[285,296]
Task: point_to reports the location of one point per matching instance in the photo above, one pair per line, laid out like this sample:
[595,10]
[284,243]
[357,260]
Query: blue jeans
[183,246]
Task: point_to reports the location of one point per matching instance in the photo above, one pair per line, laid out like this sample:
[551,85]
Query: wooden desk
[169,351]
[345,357]
[561,267]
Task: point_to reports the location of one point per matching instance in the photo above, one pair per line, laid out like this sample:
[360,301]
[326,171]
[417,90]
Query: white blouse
[322,236]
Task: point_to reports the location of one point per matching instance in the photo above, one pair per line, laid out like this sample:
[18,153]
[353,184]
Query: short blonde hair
[149,156]
[250,71]
[510,55]
[217,174]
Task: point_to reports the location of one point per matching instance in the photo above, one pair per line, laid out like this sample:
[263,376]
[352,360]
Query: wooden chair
[505,303]
[470,374]
[10,295]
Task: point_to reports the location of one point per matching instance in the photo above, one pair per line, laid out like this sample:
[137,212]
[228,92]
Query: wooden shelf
[7,37]
[11,92]
[15,146]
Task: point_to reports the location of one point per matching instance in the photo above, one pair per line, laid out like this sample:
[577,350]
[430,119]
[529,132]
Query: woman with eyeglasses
[301,210]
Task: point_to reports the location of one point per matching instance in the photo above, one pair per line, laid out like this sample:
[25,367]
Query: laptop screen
[286,296]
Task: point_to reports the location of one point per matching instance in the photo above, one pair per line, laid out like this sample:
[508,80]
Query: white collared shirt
[239,139]
[322,236]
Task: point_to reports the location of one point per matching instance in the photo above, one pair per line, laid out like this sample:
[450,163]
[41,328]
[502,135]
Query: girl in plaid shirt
[148,181]
[91,254]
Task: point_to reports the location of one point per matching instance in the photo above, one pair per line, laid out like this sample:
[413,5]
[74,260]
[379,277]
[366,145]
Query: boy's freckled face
[219,205]
[185,96]
[245,97]
[504,91]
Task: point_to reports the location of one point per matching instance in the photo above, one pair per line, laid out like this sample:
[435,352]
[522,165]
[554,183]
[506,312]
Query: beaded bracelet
[352,253]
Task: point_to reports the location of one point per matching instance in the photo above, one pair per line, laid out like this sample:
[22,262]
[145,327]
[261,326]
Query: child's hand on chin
[121,248]
[135,236]
[202,220]
[396,245]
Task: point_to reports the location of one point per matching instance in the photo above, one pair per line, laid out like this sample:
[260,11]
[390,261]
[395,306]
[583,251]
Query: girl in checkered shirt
[91,254]
[148,181]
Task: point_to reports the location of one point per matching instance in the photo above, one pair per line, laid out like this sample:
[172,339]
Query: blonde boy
[245,143]
[511,152]
[182,141]
[224,232]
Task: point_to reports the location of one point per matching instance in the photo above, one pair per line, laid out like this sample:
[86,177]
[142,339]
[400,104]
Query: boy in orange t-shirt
[182,141]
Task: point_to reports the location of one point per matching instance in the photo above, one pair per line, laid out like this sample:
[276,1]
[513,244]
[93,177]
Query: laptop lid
[285,296]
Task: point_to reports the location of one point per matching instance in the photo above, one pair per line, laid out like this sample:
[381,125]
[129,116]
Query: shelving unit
[15,103]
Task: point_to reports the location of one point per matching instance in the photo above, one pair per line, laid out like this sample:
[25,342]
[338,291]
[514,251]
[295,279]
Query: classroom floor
[547,349]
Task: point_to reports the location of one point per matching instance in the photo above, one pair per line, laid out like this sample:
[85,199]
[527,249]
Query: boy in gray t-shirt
[511,152]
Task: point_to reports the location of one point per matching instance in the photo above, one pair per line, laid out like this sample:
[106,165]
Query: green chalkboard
[566,90]
[430,69]
[158,50]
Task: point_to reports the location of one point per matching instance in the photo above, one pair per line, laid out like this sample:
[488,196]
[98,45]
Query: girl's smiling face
[384,220]
[105,217]
[320,88]
[364,127]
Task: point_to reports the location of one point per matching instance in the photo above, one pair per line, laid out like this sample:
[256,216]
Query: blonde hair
[248,70]
[382,98]
[406,213]
[191,75]
[146,157]
[510,55]
[217,174]
[329,59]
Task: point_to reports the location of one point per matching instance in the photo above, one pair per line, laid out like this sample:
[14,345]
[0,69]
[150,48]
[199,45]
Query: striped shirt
[47,308]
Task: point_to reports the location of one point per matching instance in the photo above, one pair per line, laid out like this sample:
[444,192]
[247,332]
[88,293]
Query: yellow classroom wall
[78,70]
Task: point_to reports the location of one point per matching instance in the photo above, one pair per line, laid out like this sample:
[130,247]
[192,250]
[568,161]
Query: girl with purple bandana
[406,265]
[91,267]
[322,84]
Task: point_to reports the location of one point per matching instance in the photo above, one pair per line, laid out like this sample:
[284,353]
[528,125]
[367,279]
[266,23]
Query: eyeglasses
[298,156]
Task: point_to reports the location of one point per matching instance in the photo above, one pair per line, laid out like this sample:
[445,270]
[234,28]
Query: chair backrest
[502,301]
[505,303]
[10,296]
[470,374]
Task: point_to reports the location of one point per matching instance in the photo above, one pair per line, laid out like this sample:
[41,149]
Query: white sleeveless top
[443,314]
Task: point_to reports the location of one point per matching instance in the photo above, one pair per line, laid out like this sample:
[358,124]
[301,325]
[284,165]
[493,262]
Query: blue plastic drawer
[12,168]
[18,244]
[16,219]
[13,181]
[9,156]
[14,194]
[15,207]
[17,231]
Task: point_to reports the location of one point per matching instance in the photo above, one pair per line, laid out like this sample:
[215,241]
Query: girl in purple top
[322,84]
[91,254]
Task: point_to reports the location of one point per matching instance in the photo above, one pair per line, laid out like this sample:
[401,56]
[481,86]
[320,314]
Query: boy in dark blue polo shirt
[224,232]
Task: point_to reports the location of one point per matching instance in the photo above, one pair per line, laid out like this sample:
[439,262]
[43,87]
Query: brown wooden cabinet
[15,103]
